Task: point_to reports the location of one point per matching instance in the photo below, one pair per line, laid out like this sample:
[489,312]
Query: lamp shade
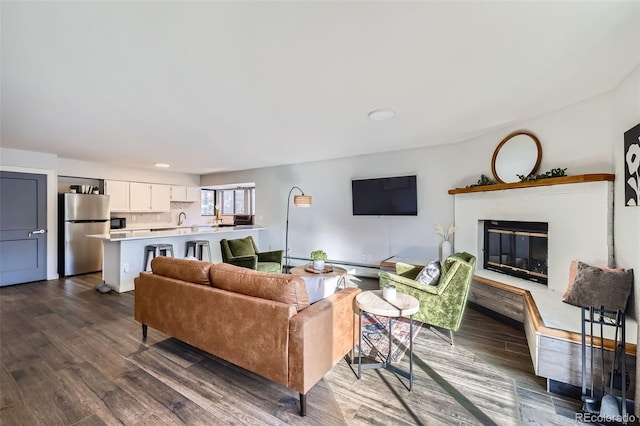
[302,200]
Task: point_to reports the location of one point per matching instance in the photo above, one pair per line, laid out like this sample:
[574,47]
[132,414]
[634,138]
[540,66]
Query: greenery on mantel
[483,181]
[561,180]
[558,172]
[486,180]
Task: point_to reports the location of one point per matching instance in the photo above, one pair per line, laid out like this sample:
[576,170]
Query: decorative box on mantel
[577,209]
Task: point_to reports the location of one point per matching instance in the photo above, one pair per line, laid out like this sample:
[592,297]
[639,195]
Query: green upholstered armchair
[441,305]
[244,252]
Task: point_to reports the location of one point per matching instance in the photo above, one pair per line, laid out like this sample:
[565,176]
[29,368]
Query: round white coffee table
[403,305]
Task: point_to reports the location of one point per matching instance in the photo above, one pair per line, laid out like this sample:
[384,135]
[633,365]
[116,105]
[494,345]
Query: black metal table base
[387,364]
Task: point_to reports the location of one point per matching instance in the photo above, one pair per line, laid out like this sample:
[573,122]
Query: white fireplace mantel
[578,209]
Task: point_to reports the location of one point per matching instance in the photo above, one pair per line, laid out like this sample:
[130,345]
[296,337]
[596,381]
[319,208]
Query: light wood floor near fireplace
[72,356]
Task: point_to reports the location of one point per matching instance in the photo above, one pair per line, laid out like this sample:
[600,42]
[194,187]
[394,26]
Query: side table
[321,285]
[403,305]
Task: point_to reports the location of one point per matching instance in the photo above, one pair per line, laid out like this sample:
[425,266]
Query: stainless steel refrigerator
[81,215]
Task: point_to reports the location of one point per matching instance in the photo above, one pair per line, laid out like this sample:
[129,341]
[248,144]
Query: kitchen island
[123,252]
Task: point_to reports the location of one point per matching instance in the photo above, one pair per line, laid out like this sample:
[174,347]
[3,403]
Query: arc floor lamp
[301,200]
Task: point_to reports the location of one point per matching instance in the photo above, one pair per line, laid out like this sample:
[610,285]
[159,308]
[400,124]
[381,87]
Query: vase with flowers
[445,244]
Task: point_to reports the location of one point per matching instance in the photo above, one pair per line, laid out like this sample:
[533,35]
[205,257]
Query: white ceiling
[211,86]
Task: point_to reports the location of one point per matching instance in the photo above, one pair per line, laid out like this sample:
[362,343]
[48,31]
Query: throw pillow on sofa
[596,287]
[430,274]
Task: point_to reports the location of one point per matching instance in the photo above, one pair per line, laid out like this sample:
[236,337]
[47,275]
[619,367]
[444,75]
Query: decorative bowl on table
[325,270]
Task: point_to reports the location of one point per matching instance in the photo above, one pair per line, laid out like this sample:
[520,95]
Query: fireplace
[517,248]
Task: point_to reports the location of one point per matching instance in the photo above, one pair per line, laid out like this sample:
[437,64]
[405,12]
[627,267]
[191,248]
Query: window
[238,201]
[208,202]
[229,201]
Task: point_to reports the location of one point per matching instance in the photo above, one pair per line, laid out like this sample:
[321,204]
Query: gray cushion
[595,287]
[430,274]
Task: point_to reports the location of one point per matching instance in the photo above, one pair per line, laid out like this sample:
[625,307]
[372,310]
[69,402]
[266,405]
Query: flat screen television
[391,196]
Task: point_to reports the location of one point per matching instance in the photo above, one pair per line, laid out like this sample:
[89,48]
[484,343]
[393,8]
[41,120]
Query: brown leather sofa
[259,321]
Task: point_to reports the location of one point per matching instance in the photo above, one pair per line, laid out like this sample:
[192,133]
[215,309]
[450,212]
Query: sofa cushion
[283,288]
[241,247]
[193,271]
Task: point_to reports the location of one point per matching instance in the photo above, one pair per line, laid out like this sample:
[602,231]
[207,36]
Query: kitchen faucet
[181,219]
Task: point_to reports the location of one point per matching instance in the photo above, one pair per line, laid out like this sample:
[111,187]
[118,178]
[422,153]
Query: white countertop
[163,227]
[147,233]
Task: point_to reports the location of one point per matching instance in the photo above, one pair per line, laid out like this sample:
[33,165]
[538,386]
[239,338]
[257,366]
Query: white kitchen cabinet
[160,198]
[146,197]
[187,194]
[118,192]
[193,193]
[139,197]
[178,193]
[149,197]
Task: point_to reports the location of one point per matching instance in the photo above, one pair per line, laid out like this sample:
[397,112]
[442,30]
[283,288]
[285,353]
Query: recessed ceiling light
[382,114]
[162,165]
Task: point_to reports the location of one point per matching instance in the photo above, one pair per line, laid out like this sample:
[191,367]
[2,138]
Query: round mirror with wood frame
[519,153]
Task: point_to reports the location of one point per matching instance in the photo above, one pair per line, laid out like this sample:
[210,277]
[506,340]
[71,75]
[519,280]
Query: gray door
[23,227]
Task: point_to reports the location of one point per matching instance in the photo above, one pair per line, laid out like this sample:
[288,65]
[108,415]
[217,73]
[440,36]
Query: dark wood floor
[72,356]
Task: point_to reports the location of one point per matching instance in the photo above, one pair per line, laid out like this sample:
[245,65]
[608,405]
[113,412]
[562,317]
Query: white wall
[329,223]
[577,137]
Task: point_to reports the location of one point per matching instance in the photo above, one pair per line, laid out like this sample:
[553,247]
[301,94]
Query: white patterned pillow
[430,274]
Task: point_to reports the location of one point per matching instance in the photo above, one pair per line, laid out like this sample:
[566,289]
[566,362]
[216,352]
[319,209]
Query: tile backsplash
[192,210]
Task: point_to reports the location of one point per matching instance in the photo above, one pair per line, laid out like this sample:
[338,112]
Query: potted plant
[318,257]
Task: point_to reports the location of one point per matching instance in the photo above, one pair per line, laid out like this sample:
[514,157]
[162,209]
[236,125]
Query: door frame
[52,212]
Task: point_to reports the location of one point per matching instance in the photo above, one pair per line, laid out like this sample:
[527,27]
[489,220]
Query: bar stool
[156,250]
[198,247]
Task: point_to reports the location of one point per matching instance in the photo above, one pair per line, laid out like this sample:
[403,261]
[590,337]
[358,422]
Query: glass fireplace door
[517,248]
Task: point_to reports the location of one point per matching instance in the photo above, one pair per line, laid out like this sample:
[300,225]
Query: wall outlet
[364,257]
[125,268]
[368,258]
[133,218]
[157,217]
